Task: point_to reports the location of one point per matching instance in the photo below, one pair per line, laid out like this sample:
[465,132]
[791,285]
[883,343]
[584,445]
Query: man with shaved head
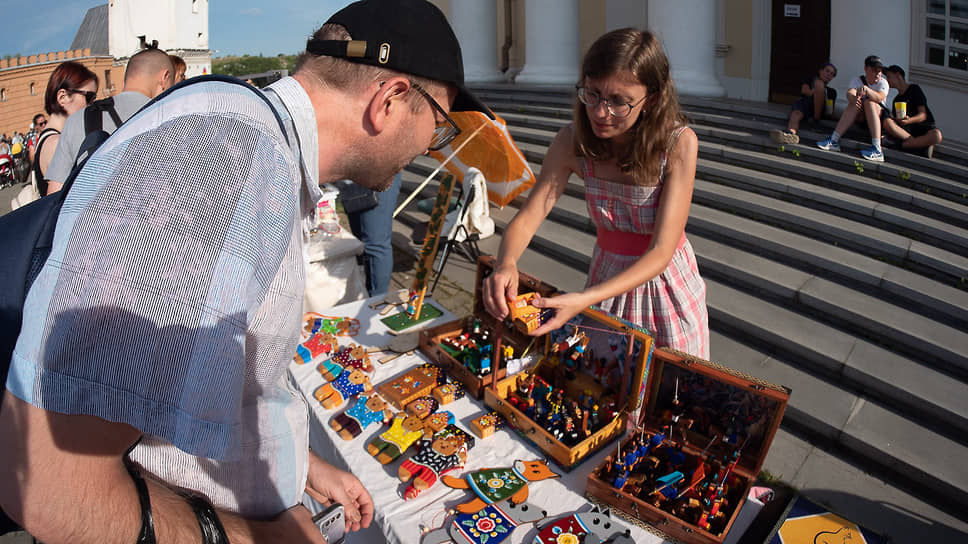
[148,74]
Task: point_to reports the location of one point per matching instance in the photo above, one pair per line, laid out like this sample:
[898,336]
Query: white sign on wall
[791,10]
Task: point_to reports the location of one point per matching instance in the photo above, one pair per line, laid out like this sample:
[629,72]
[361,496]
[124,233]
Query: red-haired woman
[630,145]
[70,88]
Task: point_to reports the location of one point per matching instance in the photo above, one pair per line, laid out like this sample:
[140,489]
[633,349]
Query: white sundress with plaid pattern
[671,305]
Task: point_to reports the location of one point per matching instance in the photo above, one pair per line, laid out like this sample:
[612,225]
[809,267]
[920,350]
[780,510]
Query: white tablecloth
[400,521]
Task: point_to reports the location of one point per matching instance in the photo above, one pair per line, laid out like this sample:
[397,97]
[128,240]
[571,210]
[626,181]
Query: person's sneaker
[929,151]
[784,137]
[872,154]
[829,145]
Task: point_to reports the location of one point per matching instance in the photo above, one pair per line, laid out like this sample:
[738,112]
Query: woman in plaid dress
[630,145]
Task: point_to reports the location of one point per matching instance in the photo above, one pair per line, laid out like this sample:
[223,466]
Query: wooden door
[800,44]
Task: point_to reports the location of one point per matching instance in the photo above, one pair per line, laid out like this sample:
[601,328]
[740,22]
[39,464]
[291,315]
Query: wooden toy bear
[352,357]
[368,409]
[321,343]
[444,452]
[347,385]
[404,431]
[496,484]
[491,524]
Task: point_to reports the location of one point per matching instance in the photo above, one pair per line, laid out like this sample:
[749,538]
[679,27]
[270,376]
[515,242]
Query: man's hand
[328,484]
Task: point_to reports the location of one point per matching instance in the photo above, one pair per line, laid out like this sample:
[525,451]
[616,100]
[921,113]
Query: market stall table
[402,521]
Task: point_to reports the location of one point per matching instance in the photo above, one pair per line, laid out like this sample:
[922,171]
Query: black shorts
[917,129]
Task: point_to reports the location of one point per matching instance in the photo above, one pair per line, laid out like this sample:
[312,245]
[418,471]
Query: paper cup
[900,110]
[828,107]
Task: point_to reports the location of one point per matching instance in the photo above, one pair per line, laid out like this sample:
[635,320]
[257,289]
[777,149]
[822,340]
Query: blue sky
[236,27]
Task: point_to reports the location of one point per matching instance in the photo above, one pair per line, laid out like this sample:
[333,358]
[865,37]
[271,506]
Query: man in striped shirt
[164,319]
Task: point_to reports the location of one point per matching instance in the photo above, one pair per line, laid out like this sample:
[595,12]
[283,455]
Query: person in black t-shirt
[916,130]
[814,92]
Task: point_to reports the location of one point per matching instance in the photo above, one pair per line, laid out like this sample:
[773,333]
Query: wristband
[147,533]
[208,522]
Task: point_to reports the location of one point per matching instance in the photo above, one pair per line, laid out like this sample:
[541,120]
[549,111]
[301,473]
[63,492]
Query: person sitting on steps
[866,95]
[915,129]
[815,93]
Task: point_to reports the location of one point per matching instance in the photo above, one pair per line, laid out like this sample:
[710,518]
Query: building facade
[23,83]
[106,38]
[750,49]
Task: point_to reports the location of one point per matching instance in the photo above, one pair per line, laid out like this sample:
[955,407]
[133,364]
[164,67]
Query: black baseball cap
[409,36]
[873,61]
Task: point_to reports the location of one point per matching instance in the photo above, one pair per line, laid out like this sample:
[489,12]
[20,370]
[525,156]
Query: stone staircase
[842,279]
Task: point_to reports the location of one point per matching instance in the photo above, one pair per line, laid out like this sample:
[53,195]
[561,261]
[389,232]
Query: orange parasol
[485,144]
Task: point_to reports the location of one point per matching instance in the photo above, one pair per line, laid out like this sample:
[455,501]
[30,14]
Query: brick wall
[18,104]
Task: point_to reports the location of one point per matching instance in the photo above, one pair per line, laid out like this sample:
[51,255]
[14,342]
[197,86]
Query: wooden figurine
[354,356]
[437,455]
[493,485]
[404,431]
[368,409]
[321,343]
[491,524]
[595,525]
[347,385]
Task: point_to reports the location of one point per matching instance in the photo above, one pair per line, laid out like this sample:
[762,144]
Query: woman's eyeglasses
[89,96]
[593,99]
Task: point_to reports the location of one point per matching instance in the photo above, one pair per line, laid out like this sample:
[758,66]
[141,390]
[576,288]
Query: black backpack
[27,233]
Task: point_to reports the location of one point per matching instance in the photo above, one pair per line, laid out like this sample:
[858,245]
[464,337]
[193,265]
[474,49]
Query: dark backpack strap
[223,79]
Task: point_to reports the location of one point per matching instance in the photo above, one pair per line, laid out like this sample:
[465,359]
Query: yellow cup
[900,110]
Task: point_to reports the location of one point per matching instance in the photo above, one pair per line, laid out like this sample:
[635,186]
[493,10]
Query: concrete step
[503,96]
[933,344]
[885,438]
[820,404]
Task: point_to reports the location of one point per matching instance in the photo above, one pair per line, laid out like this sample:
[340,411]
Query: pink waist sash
[631,244]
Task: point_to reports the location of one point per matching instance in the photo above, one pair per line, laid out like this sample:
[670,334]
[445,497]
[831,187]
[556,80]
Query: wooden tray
[713,402]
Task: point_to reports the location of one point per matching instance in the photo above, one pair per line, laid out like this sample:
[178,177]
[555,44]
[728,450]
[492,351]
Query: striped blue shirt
[172,298]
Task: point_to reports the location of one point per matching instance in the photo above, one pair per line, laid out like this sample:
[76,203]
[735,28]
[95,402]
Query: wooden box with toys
[467,349]
[583,389]
[703,434]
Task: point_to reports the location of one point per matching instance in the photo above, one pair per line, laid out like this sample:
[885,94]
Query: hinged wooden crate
[432,339]
[725,422]
[607,337]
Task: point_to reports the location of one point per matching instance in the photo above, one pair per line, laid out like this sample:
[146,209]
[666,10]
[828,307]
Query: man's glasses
[89,96]
[444,133]
[592,99]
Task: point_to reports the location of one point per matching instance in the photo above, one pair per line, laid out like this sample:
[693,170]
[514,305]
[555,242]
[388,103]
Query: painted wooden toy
[321,343]
[595,525]
[491,524]
[487,424]
[368,409]
[497,484]
[416,382]
[354,356]
[442,453]
[404,431]
[347,385]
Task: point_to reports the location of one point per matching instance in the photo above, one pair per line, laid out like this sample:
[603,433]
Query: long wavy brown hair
[639,53]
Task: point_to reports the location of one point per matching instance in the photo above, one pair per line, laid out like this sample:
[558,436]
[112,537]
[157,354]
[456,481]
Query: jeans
[374,227]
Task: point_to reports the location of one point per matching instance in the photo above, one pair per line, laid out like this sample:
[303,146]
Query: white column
[687,29]
[475,23]
[551,42]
